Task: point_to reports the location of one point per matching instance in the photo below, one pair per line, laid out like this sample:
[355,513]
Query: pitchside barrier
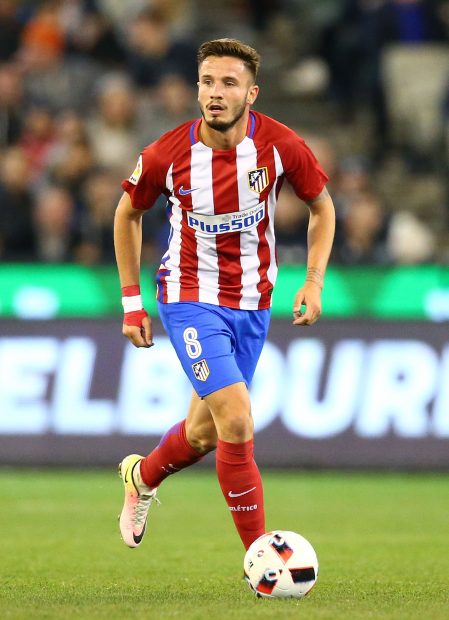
[343,393]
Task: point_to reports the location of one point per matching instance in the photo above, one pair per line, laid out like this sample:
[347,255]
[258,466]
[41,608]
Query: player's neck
[223,140]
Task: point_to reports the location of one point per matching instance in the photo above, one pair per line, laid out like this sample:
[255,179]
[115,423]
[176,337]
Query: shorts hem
[220,386]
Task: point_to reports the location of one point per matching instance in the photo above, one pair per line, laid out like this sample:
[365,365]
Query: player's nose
[216,91]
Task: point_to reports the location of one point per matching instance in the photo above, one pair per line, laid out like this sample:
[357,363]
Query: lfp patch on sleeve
[134,178]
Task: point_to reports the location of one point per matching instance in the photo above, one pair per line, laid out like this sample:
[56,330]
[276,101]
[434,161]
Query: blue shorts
[216,346]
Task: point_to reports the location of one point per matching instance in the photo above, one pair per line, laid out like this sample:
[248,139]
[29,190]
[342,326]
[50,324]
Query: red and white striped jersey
[221,203]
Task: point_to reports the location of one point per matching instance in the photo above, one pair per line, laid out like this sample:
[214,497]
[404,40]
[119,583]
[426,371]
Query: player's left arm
[320,237]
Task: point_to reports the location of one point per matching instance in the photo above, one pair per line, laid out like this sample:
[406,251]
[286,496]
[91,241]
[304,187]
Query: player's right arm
[128,245]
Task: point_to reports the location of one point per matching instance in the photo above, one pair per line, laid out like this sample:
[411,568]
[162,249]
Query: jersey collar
[195,127]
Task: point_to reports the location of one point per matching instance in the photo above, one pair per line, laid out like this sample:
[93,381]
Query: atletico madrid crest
[258,179]
[201,370]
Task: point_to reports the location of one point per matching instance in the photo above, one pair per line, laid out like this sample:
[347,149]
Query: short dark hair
[231,47]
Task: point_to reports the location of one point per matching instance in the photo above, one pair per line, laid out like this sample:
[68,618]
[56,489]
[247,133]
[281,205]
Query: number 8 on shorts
[193,346]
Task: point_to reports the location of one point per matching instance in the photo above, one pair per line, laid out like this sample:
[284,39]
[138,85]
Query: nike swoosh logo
[138,538]
[132,477]
[231,494]
[184,192]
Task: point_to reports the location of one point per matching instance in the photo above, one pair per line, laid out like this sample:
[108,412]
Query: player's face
[226,90]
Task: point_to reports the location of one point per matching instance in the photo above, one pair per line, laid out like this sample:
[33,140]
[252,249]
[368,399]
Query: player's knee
[236,428]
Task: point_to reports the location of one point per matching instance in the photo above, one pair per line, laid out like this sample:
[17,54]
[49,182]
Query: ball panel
[281,564]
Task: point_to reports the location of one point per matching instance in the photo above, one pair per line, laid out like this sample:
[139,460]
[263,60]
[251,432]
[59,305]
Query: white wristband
[131,304]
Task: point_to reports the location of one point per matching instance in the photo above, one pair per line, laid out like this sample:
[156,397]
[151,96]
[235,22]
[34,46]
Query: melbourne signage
[340,385]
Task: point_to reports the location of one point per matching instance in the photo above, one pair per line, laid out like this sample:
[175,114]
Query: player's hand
[138,329]
[310,297]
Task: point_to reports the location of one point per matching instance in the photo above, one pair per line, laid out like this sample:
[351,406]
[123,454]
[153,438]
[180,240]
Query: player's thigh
[204,344]
[251,329]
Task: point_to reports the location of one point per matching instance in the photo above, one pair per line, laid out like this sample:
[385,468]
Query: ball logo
[281,547]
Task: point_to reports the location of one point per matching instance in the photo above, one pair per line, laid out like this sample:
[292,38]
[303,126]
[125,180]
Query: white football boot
[138,499]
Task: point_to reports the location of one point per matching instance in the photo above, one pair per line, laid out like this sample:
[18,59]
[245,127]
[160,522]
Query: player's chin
[219,124]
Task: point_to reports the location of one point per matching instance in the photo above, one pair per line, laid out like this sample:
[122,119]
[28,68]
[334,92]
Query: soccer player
[221,175]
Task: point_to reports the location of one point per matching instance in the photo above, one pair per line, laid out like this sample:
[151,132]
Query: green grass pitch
[382,541]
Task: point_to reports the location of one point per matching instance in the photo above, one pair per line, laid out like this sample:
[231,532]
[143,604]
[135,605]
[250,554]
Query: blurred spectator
[353,177]
[70,128]
[112,130]
[325,152]
[446,135]
[37,138]
[154,52]
[16,207]
[70,159]
[11,104]
[100,195]
[360,238]
[415,78]
[173,103]
[69,165]
[410,241]
[353,44]
[53,220]
[90,34]
[50,79]
[291,222]
[263,12]
[10,29]
[44,31]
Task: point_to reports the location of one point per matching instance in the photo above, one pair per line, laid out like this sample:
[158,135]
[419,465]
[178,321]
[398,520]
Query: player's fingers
[147,331]
[310,316]
[298,308]
[134,335]
[303,320]
[298,304]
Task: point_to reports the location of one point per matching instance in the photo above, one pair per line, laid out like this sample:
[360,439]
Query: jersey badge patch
[134,178]
[258,179]
[201,370]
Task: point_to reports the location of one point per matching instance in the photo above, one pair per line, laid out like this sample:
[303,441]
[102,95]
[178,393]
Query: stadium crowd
[86,84]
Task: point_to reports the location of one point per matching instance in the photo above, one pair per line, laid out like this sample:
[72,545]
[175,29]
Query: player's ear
[252,94]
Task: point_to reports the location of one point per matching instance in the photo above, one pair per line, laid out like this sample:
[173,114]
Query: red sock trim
[235,451]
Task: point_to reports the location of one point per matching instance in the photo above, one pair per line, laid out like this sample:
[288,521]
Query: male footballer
[221,175]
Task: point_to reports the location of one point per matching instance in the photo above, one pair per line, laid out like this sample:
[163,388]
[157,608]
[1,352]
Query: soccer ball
[281,564]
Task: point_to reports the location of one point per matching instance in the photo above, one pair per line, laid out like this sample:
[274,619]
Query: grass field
[382,541]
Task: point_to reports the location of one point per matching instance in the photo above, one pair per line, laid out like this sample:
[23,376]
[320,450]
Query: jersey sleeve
[301,168]
[147,181]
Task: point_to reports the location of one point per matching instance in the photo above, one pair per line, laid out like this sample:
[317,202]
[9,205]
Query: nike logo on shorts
[231,494]
[184,192]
